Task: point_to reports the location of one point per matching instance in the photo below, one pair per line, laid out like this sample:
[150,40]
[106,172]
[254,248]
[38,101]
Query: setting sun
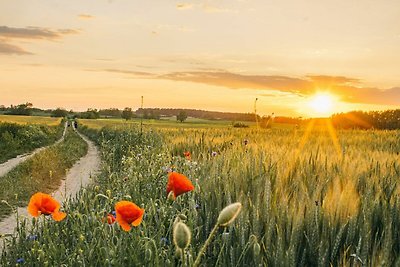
[322,104]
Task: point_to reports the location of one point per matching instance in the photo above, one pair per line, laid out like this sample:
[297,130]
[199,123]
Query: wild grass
[17,139]
[43,172]
[306,202]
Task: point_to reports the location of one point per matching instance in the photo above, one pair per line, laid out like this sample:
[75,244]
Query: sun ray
[335,139]
[299,149]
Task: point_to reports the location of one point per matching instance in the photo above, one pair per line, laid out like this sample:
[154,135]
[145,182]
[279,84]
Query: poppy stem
[203,249]
[183,258]
[141,120]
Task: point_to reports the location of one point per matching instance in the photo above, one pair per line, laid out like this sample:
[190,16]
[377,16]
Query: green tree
[59,112]
[90,114]
[127,114]
[21,109]
[182,116]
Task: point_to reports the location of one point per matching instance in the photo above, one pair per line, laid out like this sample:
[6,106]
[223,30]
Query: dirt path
[12,163]
[78,176]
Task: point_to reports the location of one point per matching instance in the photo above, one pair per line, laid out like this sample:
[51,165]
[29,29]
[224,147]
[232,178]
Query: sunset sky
[213,55]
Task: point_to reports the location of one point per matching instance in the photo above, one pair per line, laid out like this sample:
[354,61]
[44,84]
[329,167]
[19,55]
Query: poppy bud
[256,249]
[181,235]
[177,220]
[182,217]
[229,214]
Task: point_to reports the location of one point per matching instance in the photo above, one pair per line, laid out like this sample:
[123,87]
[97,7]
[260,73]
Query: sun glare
[322,104]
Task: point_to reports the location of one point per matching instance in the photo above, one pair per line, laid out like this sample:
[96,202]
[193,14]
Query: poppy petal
[138,220]
[58,215]
[180,184]
[33,209]
[41,203]
[170,185]
[34,204]
[125,226]
[49,204]
[128,213]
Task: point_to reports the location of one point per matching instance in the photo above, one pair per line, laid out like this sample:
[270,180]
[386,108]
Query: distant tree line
[389,119]
[21,109]
[201,114]
[110,112]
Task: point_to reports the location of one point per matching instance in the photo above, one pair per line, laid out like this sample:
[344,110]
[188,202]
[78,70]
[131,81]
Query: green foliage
[305,201]
[182,116]
[59,112]
[240,125]
[127,114]
[16,139]
[110,112]
[21,109]
[89,114]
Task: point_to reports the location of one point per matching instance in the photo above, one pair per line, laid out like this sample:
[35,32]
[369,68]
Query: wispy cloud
[346,88]
[240,81]
[10,49]
[34,33]
[85,16]
[129,72]
[10,34]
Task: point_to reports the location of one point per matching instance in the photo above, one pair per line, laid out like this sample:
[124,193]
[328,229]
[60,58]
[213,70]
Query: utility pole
[141,118]
[255,112]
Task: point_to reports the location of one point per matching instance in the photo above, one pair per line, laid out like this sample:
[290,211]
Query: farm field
[162,123]
[50,121]
[310,197]
[169,122]
[200,133]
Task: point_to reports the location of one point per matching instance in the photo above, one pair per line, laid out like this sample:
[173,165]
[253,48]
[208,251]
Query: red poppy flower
[110,219]
[187,155]
[128,214]
[178,184]
[41,203]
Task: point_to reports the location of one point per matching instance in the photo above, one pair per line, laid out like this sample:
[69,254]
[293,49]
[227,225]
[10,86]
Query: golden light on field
[322,104]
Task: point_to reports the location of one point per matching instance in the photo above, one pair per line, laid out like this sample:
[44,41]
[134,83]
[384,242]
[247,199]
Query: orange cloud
[8,34]
[85,16]
[6,48]
[347,89]
[34,33]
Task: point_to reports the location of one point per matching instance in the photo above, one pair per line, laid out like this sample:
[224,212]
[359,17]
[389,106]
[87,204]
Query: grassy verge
[16,139]
[43,172]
